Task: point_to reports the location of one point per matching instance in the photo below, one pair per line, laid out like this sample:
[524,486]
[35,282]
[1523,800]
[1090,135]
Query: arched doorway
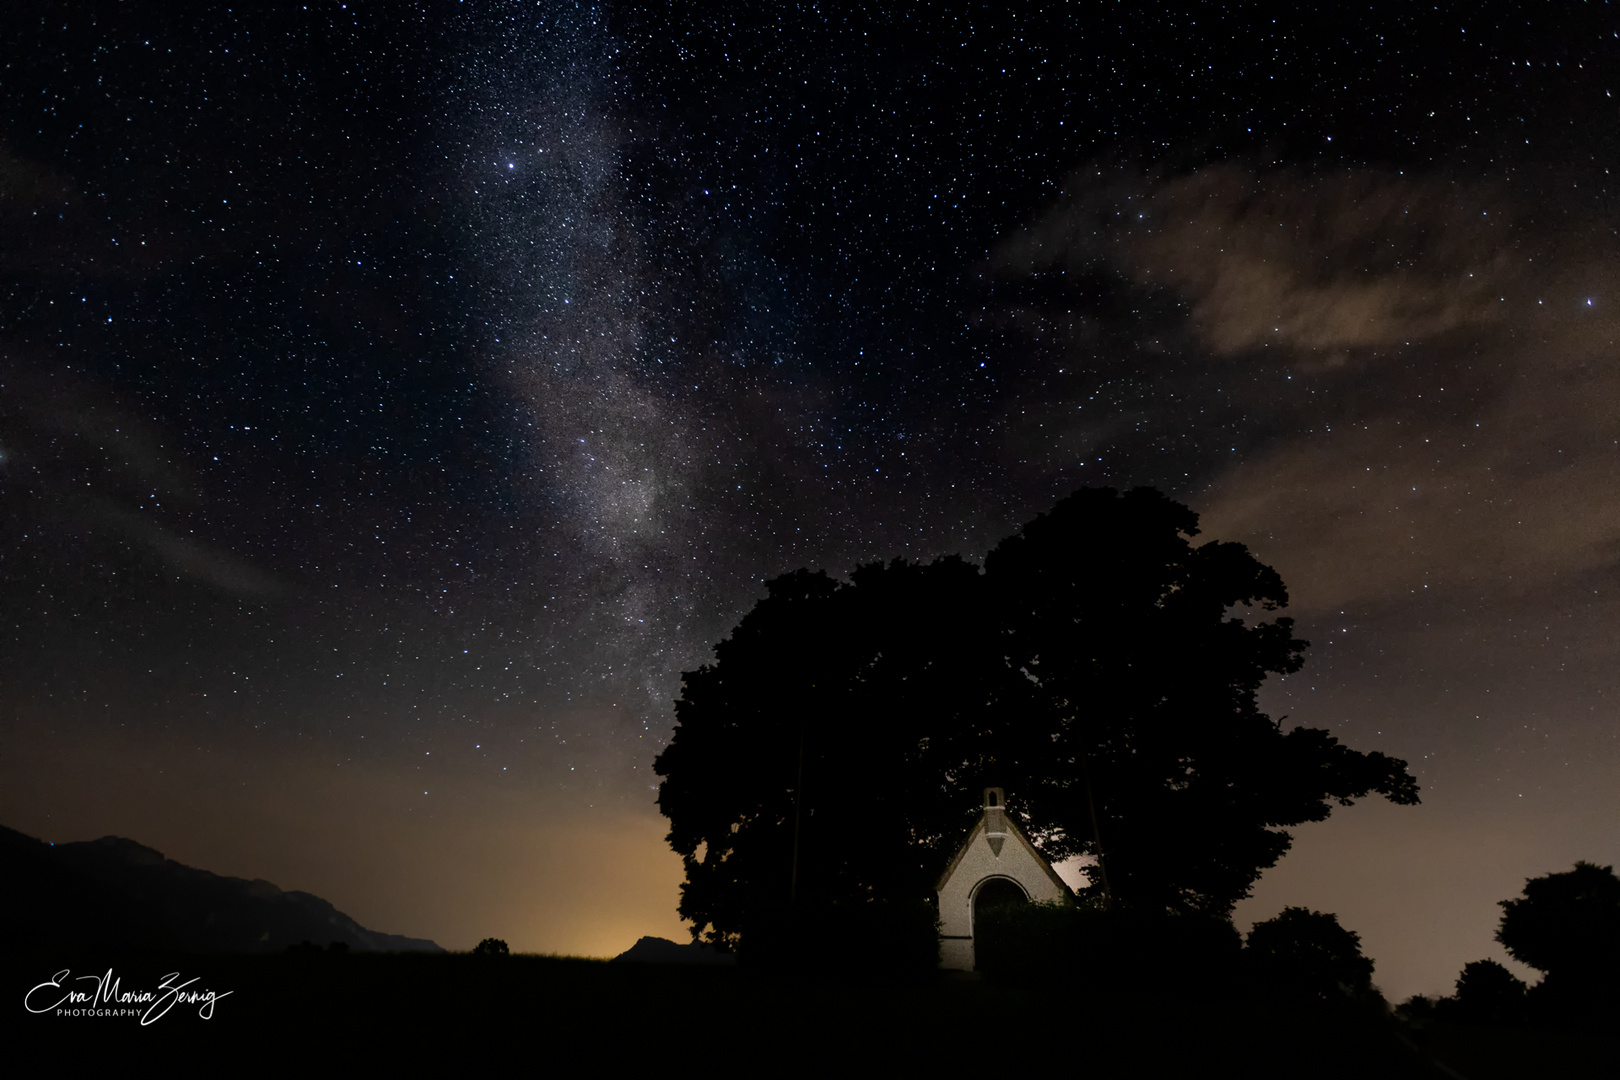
[998,892]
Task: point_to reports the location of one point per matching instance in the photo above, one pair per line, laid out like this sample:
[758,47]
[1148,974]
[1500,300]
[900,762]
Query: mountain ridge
[116,892]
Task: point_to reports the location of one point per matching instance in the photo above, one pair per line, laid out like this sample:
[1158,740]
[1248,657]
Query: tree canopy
[1487,993]
[1566,925]
[836,747]
[1310,955]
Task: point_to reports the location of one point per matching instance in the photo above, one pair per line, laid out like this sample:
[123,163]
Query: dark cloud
[206,564]
[1352,261]
[1439,365]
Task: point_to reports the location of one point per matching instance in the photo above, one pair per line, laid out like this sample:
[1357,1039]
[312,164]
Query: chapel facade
[996,864]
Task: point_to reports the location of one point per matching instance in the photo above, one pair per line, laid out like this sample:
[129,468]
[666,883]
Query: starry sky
[395,399]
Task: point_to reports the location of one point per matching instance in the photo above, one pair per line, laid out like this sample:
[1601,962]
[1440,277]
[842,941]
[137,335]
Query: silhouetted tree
[491,946]
[1418,1009]
[833,753]
[835,750]
[1309,956]
[1150,690]
[1567,925]
[1487,994]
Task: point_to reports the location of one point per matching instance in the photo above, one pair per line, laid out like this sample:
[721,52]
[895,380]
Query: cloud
[1289,260]
[71,456]
[1436,362]
[192,559]
[1381,513]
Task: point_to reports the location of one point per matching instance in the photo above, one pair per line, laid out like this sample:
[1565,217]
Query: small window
[992,799]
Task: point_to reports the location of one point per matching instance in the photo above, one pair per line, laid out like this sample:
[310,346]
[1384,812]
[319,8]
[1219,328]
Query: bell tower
[995,818]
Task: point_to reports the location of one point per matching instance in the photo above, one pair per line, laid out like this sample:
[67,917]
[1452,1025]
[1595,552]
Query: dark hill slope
[114,892]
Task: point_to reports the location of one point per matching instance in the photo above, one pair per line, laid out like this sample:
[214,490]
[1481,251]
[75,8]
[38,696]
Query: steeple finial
[995,819]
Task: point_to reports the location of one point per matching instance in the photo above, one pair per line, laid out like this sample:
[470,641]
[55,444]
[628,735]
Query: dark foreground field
[319,1011]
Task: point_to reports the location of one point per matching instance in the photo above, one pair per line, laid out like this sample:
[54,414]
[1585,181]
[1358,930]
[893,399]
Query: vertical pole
[798,790]
[1096,832]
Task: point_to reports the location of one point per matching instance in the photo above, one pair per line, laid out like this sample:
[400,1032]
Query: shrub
[1120,949]
[1307,956]
[1417,1009]
[491,946]
[1487,994]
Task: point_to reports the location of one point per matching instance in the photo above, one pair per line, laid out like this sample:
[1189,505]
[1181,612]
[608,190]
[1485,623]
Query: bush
[1487,994]
[1418,1010]
[1308,957]
[1118,948]
[491,946]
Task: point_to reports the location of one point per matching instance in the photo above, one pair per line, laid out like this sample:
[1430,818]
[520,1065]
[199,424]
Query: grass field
[428,1014]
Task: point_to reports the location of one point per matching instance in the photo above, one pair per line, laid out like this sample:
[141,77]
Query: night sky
[396,398]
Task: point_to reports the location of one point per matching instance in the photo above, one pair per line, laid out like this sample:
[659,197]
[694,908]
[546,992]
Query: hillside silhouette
[657,950]
[116,893]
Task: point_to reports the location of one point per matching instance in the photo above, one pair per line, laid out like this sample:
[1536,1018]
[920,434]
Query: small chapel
[995,865]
